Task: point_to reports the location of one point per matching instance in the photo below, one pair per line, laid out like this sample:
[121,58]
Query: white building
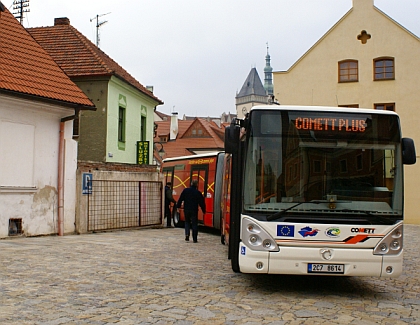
[38,158]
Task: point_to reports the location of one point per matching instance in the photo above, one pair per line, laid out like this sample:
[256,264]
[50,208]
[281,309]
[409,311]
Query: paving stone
[151,276]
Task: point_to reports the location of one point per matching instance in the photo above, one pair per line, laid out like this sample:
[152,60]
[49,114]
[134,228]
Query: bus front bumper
[310,261]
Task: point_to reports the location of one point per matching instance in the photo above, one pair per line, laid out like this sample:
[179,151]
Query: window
[350,105]
[143,128]
[384,68]
[385,107]
[121,124]
[343,166]
[76,123]
[317,166]
[17,152]
[359,162]
[348,71]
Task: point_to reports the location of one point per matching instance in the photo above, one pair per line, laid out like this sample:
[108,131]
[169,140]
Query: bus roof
[323,109]
[202,155]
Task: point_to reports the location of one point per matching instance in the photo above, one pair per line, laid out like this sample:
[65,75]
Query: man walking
[168,200]
[192,198]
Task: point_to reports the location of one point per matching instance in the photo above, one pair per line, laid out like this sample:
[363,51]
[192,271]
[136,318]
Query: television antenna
[99,24]
[20,7]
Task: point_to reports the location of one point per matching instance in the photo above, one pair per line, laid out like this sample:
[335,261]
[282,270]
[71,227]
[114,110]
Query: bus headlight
[256,238]
[391,244]
[395,245]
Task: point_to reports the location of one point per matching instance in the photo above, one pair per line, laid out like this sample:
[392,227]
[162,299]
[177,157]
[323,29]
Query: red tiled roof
[163,116]
[184,145]
[26,68]
[78,56]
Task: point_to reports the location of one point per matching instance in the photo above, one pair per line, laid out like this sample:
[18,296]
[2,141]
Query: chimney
[363,4]
[173,131]
[61,21]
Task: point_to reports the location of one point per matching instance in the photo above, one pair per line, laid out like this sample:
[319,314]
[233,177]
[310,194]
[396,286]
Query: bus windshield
[323,162]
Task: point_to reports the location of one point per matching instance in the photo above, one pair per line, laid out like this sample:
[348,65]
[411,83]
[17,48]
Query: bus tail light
[256,238]
[392,243]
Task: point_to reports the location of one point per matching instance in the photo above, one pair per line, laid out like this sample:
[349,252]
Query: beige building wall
[313,79]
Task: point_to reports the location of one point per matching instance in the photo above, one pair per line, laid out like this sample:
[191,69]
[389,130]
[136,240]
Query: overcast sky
[197,54]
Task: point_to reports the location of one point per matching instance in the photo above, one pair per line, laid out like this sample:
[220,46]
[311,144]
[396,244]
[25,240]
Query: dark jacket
[168,196]
[192,198]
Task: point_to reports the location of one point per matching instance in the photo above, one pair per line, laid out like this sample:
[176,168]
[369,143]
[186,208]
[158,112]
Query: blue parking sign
[87,183]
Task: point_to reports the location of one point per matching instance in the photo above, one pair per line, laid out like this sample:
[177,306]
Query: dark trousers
[191,222]
[168,215]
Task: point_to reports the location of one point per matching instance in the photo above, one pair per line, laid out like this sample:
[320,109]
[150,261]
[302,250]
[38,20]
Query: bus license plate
[326,268]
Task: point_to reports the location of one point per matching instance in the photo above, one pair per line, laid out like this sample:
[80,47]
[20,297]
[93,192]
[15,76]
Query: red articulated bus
[207,169]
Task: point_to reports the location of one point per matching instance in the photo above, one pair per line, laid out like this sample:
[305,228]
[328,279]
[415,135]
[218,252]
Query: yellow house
[365,60]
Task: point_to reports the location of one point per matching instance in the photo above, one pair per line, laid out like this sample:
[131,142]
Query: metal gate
[124,204]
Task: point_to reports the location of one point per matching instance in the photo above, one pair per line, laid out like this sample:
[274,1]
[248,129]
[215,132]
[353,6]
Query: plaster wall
[313,79]
[137,105]
[33,198]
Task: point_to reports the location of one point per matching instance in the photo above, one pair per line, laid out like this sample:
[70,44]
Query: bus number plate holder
[326,268]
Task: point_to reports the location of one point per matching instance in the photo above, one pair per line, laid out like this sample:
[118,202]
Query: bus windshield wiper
[278,214]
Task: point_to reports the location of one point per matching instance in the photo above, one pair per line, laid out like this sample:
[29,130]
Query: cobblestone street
[152,276]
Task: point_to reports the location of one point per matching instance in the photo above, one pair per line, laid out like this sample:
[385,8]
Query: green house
[121,129]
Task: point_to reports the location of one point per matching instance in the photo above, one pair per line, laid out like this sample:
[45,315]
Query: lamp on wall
[160,151]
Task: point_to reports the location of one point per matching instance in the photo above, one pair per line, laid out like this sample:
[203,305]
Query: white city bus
[316,190]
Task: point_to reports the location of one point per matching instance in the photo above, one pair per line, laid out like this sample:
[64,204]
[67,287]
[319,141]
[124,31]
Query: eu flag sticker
[286,230]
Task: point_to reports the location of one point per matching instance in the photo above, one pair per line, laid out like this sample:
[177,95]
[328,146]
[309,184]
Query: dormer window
[348,71]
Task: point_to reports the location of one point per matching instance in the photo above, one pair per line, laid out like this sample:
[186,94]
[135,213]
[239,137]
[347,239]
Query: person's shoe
[195,241]
[187,238]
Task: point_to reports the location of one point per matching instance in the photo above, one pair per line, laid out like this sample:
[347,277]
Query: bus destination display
[330,124]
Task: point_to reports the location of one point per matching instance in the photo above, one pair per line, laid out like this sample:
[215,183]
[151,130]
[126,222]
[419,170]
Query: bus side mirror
[232,138]
[408,151]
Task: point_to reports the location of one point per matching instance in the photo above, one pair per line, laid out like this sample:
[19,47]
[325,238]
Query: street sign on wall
[87,183]
[143,152]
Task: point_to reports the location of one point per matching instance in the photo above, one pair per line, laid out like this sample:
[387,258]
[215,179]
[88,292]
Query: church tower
[268,75]
[252,93]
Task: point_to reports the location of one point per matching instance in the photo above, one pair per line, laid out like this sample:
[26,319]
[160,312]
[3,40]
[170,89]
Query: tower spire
[268,75]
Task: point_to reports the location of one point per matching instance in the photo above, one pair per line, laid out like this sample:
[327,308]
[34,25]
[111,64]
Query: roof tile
[188,145]
[78,56]
[25,67]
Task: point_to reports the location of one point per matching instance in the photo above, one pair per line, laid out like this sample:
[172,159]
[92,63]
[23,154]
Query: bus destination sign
[331,124]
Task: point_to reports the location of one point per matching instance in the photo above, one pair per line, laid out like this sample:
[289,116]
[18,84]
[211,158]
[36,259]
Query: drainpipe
[61,165]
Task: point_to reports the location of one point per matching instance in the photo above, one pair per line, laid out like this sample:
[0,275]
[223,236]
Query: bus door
[168,175]
[200,173]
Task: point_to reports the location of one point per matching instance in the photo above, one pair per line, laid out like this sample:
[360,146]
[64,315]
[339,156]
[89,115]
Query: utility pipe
[61,180]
